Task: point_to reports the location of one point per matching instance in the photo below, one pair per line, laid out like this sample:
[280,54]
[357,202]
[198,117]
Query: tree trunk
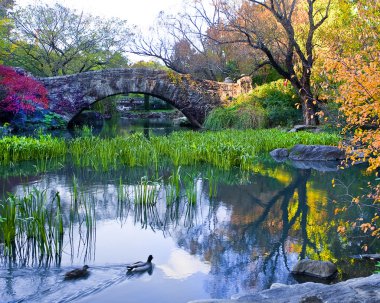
[308,102]
[309,110]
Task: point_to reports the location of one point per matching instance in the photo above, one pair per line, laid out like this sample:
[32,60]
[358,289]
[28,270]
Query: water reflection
[182,265]
[244,238]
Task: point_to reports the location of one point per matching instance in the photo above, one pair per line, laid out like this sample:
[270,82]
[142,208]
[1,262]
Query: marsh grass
[173,187]
[45,147]
[82,213]
[146,192]
[190,185]
[222,149]
[212,183]
[31,228]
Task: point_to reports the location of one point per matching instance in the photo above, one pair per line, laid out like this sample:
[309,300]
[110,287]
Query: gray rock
[302,152]
[363,290]
[297,128]
[319,269]
[318,157]
[360,290]
[279,153]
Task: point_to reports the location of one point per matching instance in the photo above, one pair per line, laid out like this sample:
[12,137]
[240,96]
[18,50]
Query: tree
[180,43]
[148,64]
[282,31]
[5,25]
[19,92]
[58,41]
[352,65]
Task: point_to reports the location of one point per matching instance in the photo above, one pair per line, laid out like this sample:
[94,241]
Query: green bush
[271,104]
[240,116]
[279,102]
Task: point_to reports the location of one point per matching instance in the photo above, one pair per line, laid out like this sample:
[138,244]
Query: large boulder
[302,152]
[318,269]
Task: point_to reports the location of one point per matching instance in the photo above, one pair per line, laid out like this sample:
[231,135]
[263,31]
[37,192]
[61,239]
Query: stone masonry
[69,95]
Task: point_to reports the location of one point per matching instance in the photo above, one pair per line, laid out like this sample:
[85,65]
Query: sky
[137,12]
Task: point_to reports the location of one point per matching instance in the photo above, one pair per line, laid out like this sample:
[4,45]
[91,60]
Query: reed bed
[45,147]
[222,149]
[146,192]
[83,213]
[31,227]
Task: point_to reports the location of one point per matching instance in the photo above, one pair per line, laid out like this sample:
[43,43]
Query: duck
[141,266]
[77,273]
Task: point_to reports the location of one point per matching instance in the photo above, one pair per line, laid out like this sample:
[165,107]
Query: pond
[212,233]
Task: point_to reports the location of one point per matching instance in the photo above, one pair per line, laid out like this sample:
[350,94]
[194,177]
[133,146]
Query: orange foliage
[354,67]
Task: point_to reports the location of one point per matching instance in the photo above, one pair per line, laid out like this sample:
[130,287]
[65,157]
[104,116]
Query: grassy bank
[224,149]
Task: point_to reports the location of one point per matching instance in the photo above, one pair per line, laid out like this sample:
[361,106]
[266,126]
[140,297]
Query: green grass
[223,149]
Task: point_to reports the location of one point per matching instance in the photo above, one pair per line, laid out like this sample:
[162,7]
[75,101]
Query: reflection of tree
[249,249]
[301,213]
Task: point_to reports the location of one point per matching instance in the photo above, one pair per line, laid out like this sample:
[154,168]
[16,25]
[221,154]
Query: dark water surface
[248,235]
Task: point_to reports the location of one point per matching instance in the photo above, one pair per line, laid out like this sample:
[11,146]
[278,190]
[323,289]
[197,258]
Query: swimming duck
[141,266]
[77,273]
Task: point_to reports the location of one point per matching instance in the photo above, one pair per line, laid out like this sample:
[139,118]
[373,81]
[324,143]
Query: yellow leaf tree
[353,65]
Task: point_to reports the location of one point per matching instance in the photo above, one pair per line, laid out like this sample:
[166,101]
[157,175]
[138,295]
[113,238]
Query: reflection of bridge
[69,95]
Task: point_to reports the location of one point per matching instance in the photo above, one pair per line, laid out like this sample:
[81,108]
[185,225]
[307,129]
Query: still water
[243,232]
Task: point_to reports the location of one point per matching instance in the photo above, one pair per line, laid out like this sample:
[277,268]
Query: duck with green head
[141,266]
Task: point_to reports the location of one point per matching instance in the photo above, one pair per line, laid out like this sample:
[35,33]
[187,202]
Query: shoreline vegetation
[224,149]
[35,221]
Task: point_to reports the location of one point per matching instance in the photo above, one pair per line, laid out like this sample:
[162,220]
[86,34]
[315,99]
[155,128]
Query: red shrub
[20,92]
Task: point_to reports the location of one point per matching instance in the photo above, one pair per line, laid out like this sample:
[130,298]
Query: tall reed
[222,149]
[82,213]
[146,192]
[32,226]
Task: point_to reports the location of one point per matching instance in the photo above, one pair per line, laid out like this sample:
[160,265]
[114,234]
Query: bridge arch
[70,95]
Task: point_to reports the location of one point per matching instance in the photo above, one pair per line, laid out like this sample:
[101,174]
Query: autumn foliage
[357,70]
[353,64]
[19,92]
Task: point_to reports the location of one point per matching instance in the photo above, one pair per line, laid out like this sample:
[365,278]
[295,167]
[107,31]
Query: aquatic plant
[31,226]
[173,187]
[43,148]
[190,184]
[146,192]
[222,149]
[82,213]
[212,183]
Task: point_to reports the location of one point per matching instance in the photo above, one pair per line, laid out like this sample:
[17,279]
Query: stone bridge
[70,95]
